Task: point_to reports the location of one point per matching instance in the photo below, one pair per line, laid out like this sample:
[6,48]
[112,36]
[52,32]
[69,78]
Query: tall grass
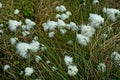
[85,57]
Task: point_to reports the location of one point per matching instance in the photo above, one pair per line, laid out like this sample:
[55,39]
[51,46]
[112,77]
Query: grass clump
[90,62]
[28,9]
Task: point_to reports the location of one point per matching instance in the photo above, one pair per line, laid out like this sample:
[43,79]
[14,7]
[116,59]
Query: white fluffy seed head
[27,21]
[13,25]
[72,70]
[109,11]
[48,62]
[68,60]
[51,34]
[87,30]
[95,20]
[45,27]
[105,36]
[35,46]
[60,23]
[115,56]
[68,26]
[21,72]
[6,67]
[95,1]
[16,11]
[38,58]
[19,23]
[51,25]
[13,40]
[113,14]
[68,13]
[101,67]
[69,42]
[29,24]
[63,31]
[1,32]
[0,5]
[83,40]
[73,26]
[1,25]
[58,16]
[112,17]
[35,38]
[22,49]
[24,27]
[57,8]
[28,71]
[62,8]
[64,16]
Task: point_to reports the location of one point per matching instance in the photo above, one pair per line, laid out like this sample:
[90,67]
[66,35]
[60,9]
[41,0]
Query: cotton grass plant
[59,40]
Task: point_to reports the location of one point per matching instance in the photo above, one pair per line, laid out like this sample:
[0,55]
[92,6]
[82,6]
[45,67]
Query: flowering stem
[29,59]
[104,43]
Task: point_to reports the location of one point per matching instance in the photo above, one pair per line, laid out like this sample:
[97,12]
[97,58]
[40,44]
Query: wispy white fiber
[72,70]
[29,71]
[83,40]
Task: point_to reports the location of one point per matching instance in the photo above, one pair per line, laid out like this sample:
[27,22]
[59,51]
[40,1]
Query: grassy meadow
[86,58]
